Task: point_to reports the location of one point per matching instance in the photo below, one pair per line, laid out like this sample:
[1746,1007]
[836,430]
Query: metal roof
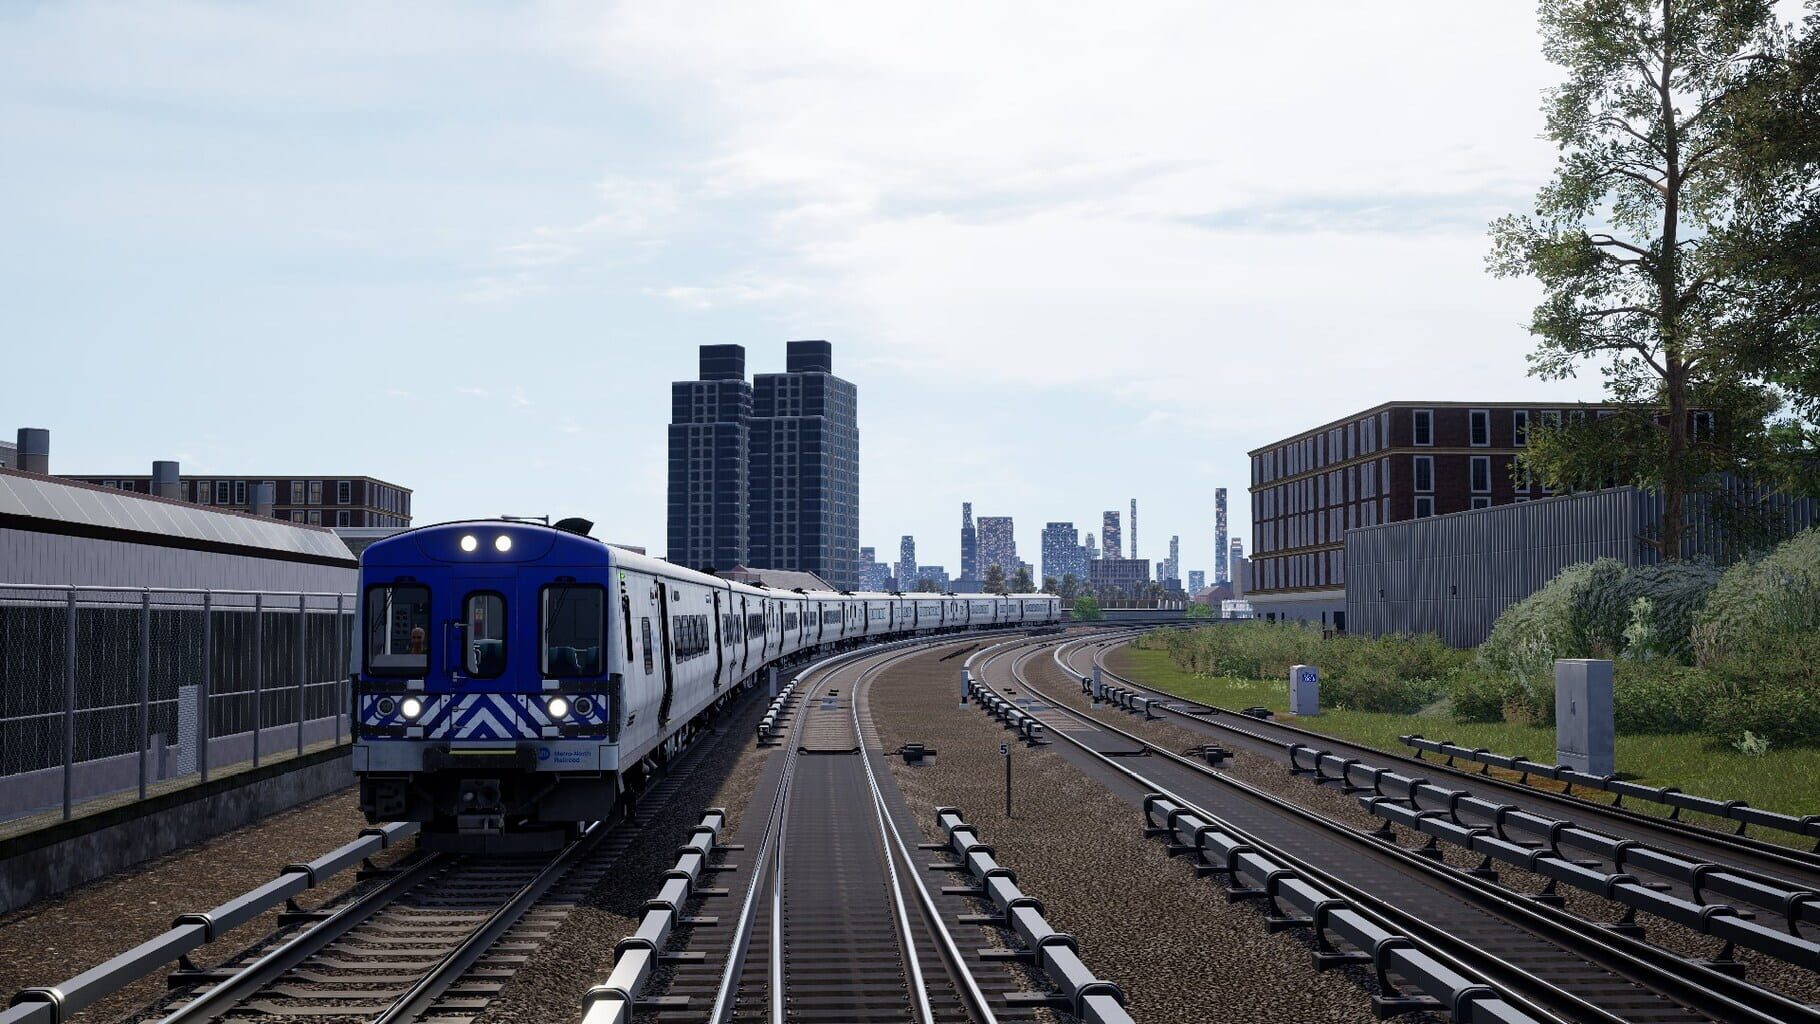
[65,506]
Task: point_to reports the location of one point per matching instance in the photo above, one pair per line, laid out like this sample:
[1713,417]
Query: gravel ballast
[579,955]
[55,939]
[1272,775]
[1179,950]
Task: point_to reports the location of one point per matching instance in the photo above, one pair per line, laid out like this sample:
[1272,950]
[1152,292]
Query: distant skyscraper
[869,573]
[970,544]
[1197,581]
[710,420]
[998,546]
[1235,551]
[906,562]
[1063,554]
[1173,564]
[936,574]
[1220,572]
[1134,549]
[1092,548]
[1111,540]
[803,486]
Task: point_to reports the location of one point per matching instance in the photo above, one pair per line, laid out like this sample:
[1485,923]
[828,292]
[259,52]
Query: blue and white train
[513,679]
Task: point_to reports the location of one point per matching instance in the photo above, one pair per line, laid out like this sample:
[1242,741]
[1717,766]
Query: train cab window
[574,630]
[398,630]
[485,618]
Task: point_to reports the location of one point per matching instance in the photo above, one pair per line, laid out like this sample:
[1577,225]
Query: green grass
[1781,780]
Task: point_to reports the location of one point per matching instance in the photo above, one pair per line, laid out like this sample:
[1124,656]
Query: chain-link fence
[108,695]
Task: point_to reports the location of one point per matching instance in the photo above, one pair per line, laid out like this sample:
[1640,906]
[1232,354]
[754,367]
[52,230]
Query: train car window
[398,630]
[486,640]
[574,630]
[645,629]
[692,639]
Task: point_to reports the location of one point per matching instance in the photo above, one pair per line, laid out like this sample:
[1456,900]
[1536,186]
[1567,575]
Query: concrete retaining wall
[49,861]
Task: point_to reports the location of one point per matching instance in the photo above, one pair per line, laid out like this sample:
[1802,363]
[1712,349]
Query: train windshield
[398,630]
[574,630]
[486,644]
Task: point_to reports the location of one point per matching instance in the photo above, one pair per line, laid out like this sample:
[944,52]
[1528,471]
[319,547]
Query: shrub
[1479,695]
[1557,621]
[1757,603]
[1391,673]
[1784,715]
[1647,613]
[1661,697]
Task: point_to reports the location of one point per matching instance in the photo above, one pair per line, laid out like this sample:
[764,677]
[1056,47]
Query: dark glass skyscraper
[803,467]
[709,426]
[970,544]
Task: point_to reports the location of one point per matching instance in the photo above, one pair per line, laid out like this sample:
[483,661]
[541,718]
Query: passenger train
[514,679]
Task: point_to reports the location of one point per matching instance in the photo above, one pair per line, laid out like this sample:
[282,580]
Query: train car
[514,679]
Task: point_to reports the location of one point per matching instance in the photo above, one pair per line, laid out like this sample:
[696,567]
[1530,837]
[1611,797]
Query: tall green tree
[1021,582]
[995,579]
[1647,238]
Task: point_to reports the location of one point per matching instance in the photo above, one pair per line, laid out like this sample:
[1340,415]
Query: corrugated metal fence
[1453,575]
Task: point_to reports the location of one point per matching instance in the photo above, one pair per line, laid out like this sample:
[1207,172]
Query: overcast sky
[1071,254]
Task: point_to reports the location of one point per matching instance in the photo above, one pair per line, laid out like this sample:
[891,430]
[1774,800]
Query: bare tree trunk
[1668,283]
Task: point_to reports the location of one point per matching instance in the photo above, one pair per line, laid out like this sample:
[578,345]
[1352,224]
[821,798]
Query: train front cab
[486,698]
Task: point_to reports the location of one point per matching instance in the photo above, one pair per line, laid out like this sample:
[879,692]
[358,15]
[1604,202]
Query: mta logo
[543,753]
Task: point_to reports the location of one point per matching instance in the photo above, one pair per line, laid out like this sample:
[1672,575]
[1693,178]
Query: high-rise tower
[906,563]
[1111,543]
[1221,573]
[1134,549]
[803,508]
[710,421]
[970,544]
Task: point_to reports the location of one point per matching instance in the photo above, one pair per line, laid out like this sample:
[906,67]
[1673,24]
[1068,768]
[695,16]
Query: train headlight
[558,707]
[502,543]
[412,707]
[470,543]
[387,705]
[584,706]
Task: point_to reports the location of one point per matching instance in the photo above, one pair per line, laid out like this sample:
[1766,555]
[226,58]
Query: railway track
[1763,862]
[435,939]
[836,919]
[1538,954]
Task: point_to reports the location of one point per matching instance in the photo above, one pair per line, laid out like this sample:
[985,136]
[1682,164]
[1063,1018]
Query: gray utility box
[1585,735]
[1304,690]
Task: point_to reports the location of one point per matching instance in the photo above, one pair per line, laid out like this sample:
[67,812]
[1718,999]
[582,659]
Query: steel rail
[415,1001]
[232,991]
[1670,975]
[895,847]
[1674,828]
[767,865]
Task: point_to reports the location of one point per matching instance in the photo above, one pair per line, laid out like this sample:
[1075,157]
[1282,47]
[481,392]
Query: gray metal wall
[1454,575]
[27,556]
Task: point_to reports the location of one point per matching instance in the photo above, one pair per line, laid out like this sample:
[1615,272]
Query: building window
[1423,422]
[1551,418]
[203,493]
[1481,473]
[344,492]
[1425,506]
[297,515]
[1519,427]
[315,517]
[1424,472]
[1479,427]
[1703,426]
[315,492]
[296,492]
[341,517]
[240,492]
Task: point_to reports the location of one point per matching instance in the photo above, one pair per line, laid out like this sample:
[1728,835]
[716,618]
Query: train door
[720,640]
[745,639]
[665,652]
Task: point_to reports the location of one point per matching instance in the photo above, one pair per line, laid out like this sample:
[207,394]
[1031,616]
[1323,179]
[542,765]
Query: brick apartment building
[349,501]
[1390,463]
